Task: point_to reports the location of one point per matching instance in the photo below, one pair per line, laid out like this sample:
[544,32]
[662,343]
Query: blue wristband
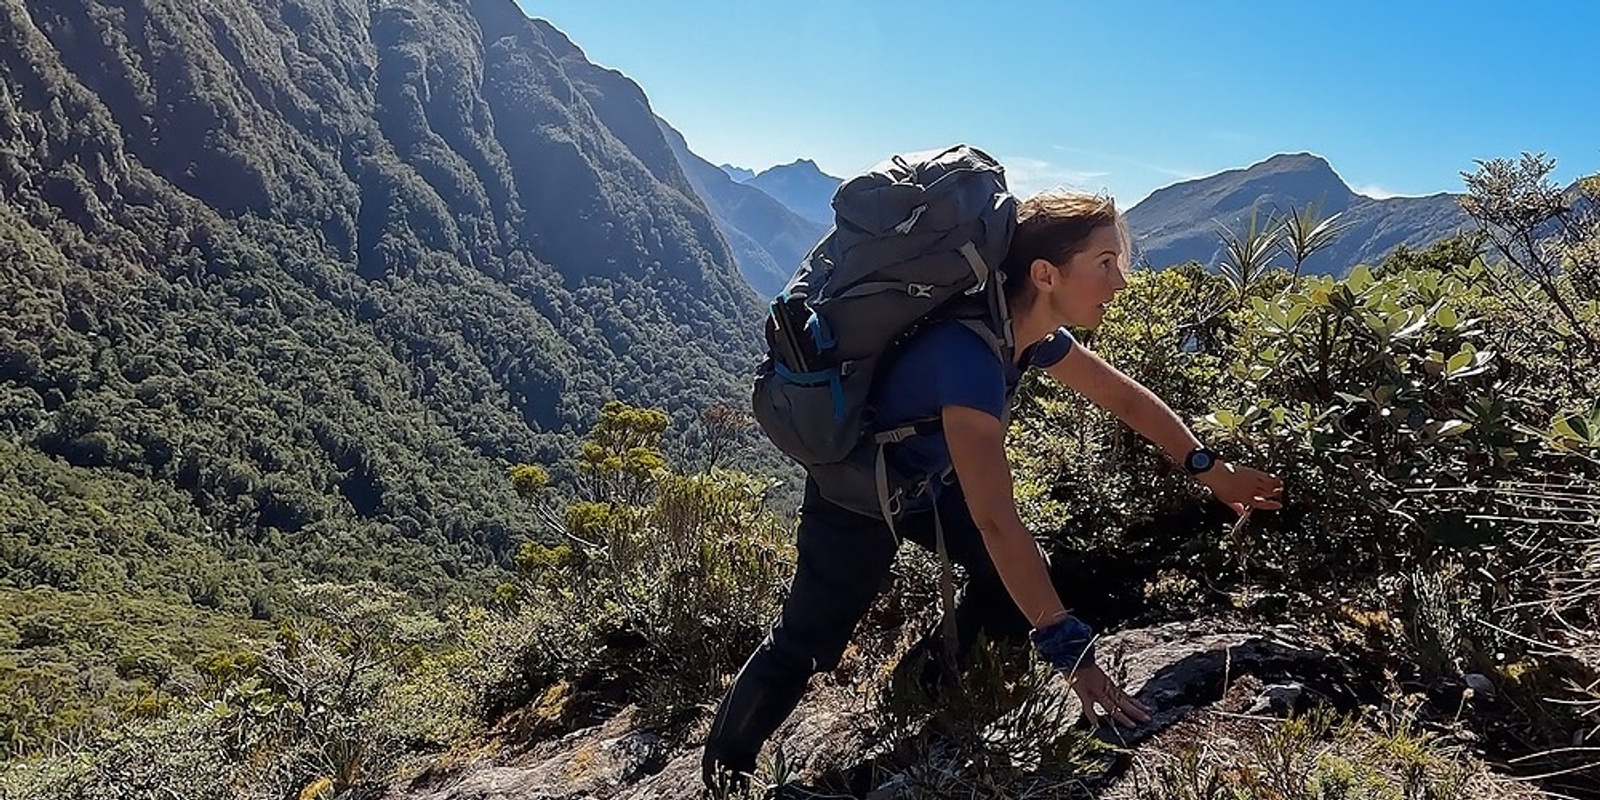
[1066,645]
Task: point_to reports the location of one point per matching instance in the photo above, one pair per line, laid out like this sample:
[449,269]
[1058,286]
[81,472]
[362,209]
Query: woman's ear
[1042,273]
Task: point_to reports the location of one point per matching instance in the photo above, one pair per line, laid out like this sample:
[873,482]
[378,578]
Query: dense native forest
[282,304]
[372,381]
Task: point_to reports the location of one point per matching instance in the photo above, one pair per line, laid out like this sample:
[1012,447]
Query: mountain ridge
[1180,222]
[768,238]
[802,186]
[739,174]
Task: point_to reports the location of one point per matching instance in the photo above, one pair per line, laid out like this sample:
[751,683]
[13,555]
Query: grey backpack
[917,238]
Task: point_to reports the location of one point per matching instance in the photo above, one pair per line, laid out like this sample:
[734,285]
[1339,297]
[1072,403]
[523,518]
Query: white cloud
[1375,191]
[1026,176]
[1097,155]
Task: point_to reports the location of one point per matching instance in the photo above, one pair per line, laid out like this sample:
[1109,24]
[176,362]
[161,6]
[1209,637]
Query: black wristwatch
[1200,459]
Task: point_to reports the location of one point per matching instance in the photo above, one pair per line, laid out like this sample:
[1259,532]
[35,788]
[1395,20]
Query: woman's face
[1090,279]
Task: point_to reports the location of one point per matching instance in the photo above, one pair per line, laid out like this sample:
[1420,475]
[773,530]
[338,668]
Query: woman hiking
[1067,258]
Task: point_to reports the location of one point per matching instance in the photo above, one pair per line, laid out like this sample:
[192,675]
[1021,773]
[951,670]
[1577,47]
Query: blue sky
[1400,97]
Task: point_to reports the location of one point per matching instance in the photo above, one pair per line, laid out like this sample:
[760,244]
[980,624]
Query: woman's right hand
[1242,487]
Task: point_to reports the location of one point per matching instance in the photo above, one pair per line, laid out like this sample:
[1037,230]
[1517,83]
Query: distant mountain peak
[1179,222]
[802,186]
[768,239]
[1301,160]
[1303,174]
[738,174]
[1308,165]
[799,166]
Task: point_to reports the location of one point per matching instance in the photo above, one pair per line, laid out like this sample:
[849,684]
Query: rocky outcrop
[1178,670]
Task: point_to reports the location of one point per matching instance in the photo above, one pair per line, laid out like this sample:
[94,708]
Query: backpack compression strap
[889,504]
[890,508]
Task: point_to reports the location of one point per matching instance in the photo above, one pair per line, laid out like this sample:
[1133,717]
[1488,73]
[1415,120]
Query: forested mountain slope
[286,286]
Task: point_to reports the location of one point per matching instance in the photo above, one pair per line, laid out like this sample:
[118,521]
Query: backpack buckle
[911,221]
[919,289]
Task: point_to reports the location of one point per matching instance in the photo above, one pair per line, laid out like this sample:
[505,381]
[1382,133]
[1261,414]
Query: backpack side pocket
[807,414]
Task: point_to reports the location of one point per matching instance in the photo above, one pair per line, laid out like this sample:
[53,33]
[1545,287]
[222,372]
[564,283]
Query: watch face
[1200,461]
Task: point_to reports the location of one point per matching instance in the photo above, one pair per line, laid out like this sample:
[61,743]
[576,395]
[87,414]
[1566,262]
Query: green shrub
[1363,393]
[315,705]
[659,586]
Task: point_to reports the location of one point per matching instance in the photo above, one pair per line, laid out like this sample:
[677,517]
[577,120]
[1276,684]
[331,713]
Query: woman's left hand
[1242,487]
[1103,700]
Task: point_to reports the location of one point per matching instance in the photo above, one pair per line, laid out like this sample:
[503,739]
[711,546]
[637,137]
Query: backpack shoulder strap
[1002,350]
[994,327]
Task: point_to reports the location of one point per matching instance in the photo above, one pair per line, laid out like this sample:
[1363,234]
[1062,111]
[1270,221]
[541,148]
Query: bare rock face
[1175,669]
[595,762]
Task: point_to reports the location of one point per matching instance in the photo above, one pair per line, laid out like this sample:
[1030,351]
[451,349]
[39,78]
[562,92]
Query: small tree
[724,432]
[1539,231]
[678,571]
[622,454]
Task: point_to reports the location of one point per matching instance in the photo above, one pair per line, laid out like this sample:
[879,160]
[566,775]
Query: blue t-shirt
[948,365]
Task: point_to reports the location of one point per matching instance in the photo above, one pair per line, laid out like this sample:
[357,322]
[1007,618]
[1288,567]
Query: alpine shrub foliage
[651,588]
[1379,399]
[660,584]
[316,710]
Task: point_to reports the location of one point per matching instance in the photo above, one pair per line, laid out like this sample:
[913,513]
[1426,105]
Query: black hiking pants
[843,562]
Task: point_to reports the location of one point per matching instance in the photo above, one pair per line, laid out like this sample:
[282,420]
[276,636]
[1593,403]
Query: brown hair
[1055,226]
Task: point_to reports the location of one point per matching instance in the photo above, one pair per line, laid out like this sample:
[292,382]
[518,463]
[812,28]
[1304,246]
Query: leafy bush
[663,585]
[1363,393]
